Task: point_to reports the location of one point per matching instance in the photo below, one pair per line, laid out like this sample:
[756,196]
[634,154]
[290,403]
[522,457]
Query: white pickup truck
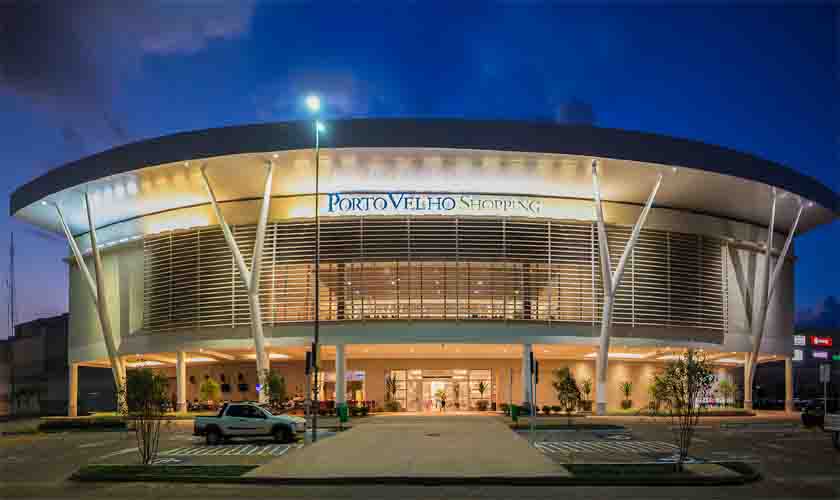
[246,420]
[832,425]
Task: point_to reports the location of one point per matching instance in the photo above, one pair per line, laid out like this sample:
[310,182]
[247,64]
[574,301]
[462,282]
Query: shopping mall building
[449,251]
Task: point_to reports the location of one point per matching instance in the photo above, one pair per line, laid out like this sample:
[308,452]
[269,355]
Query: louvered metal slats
[416,268]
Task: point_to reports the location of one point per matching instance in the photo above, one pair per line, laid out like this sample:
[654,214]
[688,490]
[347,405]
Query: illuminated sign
[413,203]
[836,357]
[798,355]
[799,340]
[821,341]
[819,355]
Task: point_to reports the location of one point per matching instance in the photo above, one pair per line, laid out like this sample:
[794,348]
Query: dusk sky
[77,77]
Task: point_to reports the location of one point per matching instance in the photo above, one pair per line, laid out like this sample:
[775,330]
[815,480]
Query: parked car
[832,425]
[247,420]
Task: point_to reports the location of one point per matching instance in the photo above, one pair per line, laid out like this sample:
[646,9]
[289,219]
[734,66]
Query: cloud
[69,57]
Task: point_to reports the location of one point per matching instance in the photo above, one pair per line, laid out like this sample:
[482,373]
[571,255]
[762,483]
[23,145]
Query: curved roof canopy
[718,181]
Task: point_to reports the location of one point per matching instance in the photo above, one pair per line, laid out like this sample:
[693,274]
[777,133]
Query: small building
[34,372]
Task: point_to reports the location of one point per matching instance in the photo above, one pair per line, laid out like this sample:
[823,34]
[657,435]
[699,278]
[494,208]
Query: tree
[567,390]
[627,390]
[145,396]
[586,390]
[210,390]
[688,381]
[391,403]
[275,389]
[658,393]
[727,390]
[482,388]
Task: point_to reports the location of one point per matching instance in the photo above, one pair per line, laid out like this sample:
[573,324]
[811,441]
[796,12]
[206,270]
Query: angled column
[765,290]
[96,287]
[788,384]
[181,382]
[526,373]
[73,391]
[611,281]
[340,375]
[250,278]
[747,385]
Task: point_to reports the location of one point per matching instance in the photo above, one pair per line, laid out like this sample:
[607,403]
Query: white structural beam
[526,372]
[612,281]
[340,375]
[73,391]
[765,291]
[250,278]
[96,287]
[181,382]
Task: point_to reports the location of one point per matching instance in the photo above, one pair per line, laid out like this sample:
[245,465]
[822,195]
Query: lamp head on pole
[313,102]
[319,127]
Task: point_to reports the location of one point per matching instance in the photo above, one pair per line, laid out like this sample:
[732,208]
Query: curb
[550,480]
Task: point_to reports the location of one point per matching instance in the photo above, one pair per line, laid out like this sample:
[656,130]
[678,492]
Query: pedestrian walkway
[239,450]
[605,447]
[416,447]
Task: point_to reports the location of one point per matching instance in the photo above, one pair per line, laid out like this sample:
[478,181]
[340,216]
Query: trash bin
[343,412]
[514,413]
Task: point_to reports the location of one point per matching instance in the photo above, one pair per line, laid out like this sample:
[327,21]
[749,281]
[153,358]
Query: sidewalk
[417,447]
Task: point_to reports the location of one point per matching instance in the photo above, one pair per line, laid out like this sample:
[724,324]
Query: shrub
[505,408]
[546,410]
[209,390]
[556,409]
[481,405]
[145,397]
[392,405]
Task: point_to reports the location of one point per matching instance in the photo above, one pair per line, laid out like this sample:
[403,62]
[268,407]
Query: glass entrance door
[419,390]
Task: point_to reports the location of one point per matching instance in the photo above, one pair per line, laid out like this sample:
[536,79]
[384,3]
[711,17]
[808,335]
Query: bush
[556,409]
[363,411]
[505,408]
[546,410]
[392,405]
[82,424]
[481,405]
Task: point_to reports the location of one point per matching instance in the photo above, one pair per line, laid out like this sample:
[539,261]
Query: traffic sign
[825,373]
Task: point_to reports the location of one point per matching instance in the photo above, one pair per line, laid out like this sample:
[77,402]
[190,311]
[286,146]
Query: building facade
[448,251]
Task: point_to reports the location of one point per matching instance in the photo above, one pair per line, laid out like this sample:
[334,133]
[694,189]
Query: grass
[97,423]
[656,474]
[542,425]
[186,473]
[711,412]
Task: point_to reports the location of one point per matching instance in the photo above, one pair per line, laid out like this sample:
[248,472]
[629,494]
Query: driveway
[417,446]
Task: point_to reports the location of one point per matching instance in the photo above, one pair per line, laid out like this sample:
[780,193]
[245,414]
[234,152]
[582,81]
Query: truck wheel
[836,439]
[282,434]
[214,437]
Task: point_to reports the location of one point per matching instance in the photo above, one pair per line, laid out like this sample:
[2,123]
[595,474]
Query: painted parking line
[239,450]
[605,447]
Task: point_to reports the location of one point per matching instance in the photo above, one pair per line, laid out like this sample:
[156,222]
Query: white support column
[788,384]
[747,380]
[250,278]
[526,372]
[611,282]
[340,375]
[766,289]
[73,391]
[181,382]
[96,287]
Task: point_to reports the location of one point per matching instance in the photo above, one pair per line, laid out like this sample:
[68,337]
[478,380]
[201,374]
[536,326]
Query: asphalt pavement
[795,463]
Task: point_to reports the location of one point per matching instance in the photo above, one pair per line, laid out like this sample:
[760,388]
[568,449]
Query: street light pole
[313,102]
[315,347]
